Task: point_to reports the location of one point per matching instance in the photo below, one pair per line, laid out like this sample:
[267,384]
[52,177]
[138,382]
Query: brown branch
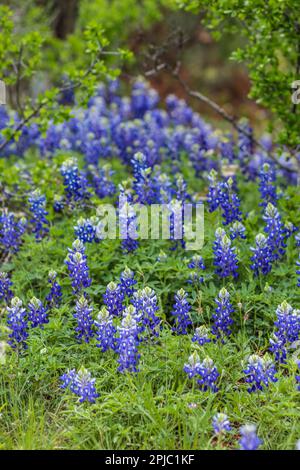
[218,109]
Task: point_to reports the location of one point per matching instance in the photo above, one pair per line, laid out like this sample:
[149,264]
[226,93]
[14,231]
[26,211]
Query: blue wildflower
[101,181]
[262,255]
[127,282]
[287,330]
[127,341]
[221,423]
[113,298]
[222,318]
[143,183]
[225,255]
[75,182]
[55,294]
[11,231]
[37,313]
[205,372]
[237,231]
[267,185]
[37,204]
[5,288]
[84,319]
[201,335]
[180,311]
[145,302]
[197,265]
[58,203]
[17,323]
[275,230]
[105,330]
[81,383]
[77,267]
[249,439]
[85,230]
[259,373]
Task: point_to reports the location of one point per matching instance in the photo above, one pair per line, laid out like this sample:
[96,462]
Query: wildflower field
[132,343]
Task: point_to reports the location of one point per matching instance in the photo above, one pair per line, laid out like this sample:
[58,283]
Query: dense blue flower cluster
[81,383]
[55,294]
[222,318]
[77,267]
[267,185]
[101,181]
[221,423]
[180,313]
[275,230]
[85,322]
[127,222]
[222,194]
[113,298]
[17,323]
[205,372]
[260,371]
[225,255]
[201,335]
[85,230]
[127,282]
[105,330]
[37,313]
[249,439]
[5,288]
[58,203]
[262,255]
[287,330]
[127,341]
[11,231]
[75,182]
[145,303]
[37,204]
[143,183]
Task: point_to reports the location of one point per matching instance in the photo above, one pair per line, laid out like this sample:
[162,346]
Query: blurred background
[140,25]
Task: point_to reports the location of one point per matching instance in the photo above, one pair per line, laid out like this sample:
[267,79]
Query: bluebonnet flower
[58,203]
[127,282]
[267,185]
[181,193]
[5,287]
[75,182]
[249,439]
[201,335]
[214,193]
[127,222]
[205,372]
[127,341]
[222,318]
[288,230]
[221,423]
[37,313]
[197,265]
[84,319]
[260,371]
[229,202]
[77,267]
[227,148]
[225,255]
[143,183]
[55,294]
[275,230]
[143,98]
[101,181]
[105,330]
[37,204]
[113,298]
[145,303]
[180,311]
[262,255]
[81,383]
[287,330]
[237,231]
[245,146]
[11,231]
[85,229]
[17,322]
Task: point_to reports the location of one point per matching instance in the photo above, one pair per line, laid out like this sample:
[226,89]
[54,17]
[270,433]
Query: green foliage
[271,51]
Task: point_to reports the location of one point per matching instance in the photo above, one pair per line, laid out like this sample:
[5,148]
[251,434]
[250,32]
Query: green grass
[151,409]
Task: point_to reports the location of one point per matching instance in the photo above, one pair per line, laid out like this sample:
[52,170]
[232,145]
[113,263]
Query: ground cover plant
[141,343]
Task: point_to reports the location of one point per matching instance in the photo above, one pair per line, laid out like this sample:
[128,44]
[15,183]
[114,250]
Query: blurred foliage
[272,51]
